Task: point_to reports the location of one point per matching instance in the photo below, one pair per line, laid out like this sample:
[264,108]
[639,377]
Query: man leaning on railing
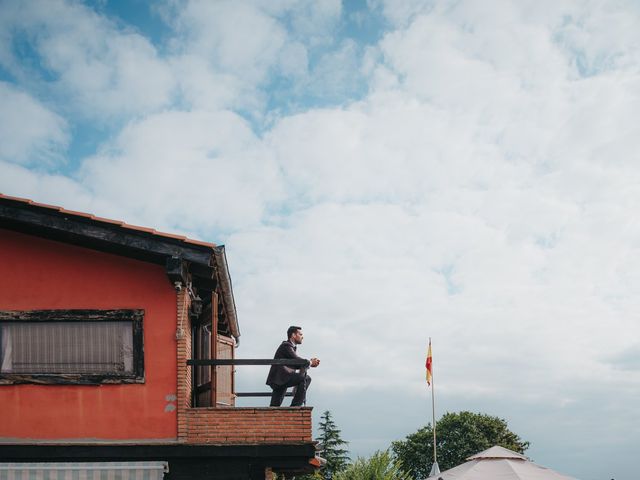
[282,377]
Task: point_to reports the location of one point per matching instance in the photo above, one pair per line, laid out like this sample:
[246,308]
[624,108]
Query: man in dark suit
[282,377]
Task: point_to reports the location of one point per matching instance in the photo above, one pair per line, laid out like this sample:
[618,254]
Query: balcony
[226,424]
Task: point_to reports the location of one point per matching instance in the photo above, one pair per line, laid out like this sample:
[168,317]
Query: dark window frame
[135,316]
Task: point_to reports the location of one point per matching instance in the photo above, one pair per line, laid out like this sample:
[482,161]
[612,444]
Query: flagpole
[435,469]
[433,414]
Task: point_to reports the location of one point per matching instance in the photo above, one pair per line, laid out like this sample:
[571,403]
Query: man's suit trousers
[301,381]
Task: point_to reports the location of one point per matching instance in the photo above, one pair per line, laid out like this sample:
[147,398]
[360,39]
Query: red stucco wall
[40,274]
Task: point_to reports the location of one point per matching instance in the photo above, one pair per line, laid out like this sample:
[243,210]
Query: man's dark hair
[291,330]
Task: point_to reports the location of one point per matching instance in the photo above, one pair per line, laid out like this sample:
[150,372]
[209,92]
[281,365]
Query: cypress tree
[331,447]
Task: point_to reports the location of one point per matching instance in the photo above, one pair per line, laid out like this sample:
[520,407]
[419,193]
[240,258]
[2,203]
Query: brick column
[183,341]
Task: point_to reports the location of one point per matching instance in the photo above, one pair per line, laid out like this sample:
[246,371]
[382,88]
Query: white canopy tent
[499,463]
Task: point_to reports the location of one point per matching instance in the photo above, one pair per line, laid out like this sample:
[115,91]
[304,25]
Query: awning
[84,471]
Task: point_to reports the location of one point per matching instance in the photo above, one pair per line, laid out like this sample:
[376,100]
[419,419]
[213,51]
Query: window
[71,346]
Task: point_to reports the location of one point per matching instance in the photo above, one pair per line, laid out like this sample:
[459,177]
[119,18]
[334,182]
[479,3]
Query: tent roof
[497,452]
[498,463]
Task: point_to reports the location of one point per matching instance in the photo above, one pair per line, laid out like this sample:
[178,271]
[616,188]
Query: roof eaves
[222,268]
[119,223]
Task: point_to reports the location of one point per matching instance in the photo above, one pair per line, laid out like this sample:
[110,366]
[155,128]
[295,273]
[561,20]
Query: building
[98,321]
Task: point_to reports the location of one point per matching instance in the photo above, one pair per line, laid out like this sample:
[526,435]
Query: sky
[380,172]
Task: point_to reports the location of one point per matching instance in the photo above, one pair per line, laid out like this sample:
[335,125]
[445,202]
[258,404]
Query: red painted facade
[40,274]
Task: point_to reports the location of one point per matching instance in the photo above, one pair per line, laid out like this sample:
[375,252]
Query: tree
[381,466]
[459,435]
[331,446]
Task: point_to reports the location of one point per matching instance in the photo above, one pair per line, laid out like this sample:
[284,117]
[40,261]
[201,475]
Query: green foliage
[380,466]
[459,435]
[314,476]
[331,448]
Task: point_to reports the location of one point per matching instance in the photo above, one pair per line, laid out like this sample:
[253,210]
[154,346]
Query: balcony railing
[210,362]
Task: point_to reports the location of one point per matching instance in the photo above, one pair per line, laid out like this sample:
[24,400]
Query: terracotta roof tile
[173,235]
[119,223]
[18,199]
[44,205]
[140,229]
[73,212]
[199,242]
[108,220]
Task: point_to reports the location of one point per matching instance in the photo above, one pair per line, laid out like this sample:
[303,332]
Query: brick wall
[241,425]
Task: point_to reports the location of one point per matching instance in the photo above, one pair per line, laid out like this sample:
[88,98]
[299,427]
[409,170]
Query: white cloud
[30,133]
[471,58]
[252,44]
[586,34]
[202,86]
[98,68]
[294,60]
[224,52]
[401,13]
[235,38]
[315,23]
[54,189]
[336,74]
[194,170]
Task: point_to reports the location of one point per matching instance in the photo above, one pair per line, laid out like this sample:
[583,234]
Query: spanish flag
[429,365]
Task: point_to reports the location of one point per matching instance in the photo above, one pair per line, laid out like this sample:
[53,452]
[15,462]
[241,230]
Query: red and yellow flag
[429,365]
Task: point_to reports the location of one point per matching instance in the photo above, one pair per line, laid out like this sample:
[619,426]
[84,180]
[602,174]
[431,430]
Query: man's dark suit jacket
[279,374]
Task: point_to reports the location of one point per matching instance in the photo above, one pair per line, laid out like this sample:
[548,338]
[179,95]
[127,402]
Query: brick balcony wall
[242,425]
